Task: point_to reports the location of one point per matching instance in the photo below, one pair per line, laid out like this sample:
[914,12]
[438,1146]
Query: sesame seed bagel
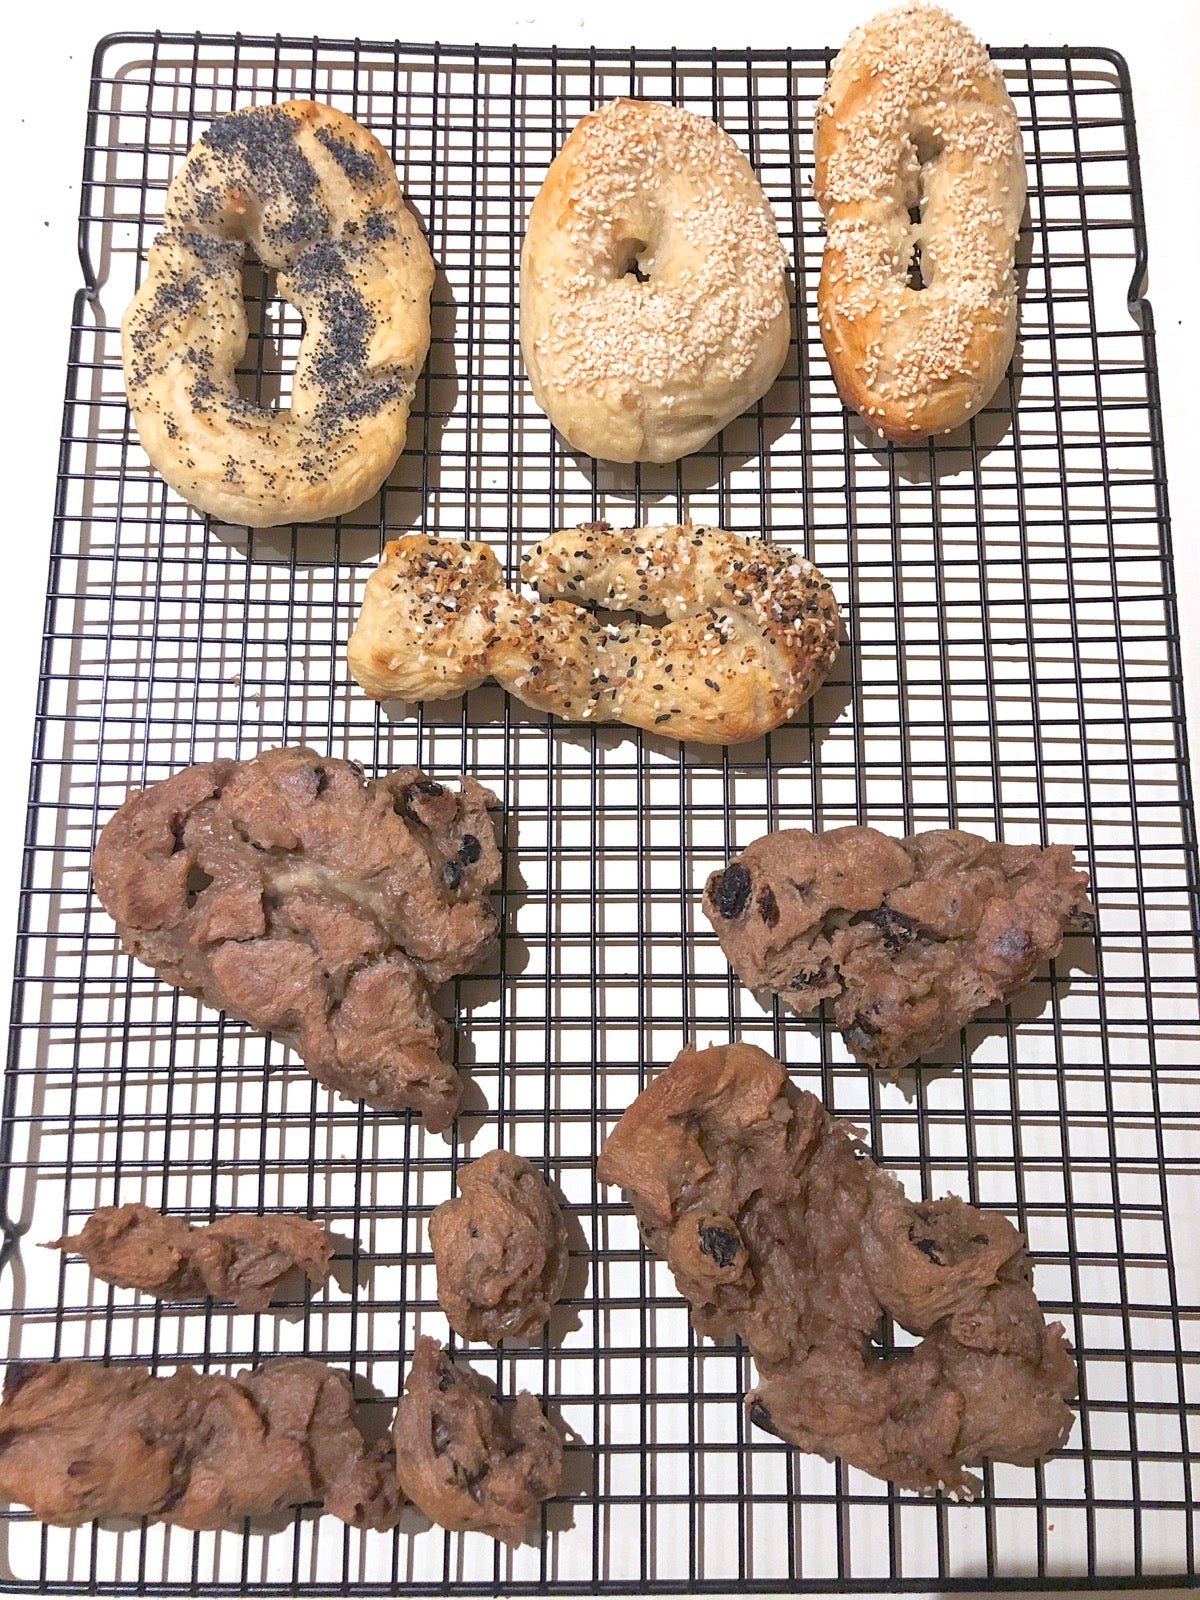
[915,117]
[654,306]
[751,629]
[315,196]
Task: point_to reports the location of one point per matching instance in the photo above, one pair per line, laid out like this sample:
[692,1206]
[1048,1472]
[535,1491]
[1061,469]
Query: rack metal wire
[1012,667]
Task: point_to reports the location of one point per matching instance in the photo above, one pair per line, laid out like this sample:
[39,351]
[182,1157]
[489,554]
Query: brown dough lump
[910,938]
[501,1250]
[467,1461]
[243,1258]
[79,1441]
[293,893]
[779,1229]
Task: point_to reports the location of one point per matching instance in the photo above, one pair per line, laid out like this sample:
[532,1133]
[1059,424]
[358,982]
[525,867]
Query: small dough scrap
[501,1250]
[243,1258]
[910,938]
[468,1462]
[780,1230]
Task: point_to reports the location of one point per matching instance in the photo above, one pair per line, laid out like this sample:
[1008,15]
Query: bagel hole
[633,268]
[274,330]
[625,619]
[915,280]
[923,150]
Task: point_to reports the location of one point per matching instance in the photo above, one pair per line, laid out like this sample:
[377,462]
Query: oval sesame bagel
[654,305]
[915,122]
[749,630]
[315,196]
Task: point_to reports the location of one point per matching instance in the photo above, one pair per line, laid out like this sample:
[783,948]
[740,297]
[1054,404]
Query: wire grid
[1012,667]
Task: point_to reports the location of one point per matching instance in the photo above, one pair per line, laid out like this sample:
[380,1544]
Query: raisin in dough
[779,1229]
[910,938]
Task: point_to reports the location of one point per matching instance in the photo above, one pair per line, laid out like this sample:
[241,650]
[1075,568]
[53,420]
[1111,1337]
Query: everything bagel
[915,119]
[654,306]
[751,629]
[316,197]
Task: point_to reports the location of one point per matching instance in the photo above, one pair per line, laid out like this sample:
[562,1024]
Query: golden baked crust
[750,628]
[915,114]
[316,197]
[648,365]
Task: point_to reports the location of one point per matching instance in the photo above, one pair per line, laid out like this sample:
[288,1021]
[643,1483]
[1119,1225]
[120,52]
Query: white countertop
[44,114]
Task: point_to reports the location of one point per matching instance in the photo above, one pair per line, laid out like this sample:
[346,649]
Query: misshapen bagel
[915,116]
[751,629]
[316,197]
[654,306]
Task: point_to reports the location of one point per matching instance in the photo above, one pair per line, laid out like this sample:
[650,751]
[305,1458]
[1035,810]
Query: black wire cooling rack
[1012,668]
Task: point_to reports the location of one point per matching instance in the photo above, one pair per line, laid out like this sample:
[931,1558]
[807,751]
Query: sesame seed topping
[915,122]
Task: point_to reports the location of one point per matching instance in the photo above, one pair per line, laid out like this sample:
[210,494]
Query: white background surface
[43,123]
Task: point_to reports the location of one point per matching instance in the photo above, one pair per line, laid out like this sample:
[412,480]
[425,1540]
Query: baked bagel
[315,196]
[654,306]
[915,122]
[750,631]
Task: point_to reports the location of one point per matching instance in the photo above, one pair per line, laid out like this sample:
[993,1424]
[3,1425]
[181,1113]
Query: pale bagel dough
[916,116]
[750,628]
[316,198]
[649,371]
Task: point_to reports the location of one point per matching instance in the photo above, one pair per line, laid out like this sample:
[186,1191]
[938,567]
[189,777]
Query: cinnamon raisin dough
[467,1461]
[779,1229]
[315,196]
[501,1250]
[910,938]
[79,1440]
[242,1258]
[290,891]
[654,306]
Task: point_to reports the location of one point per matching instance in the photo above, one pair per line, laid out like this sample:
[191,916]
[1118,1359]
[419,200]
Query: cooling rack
[1012,667]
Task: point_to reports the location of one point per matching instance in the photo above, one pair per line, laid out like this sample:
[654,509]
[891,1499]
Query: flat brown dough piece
[910,938]
[501,1250]
[779,1229]
[243,1258]
[79,1440]
[467,1461]
[293,893]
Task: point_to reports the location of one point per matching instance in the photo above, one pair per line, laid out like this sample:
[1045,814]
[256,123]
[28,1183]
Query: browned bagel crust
[649,365]
[915,113]
[750,628]
[317,198]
